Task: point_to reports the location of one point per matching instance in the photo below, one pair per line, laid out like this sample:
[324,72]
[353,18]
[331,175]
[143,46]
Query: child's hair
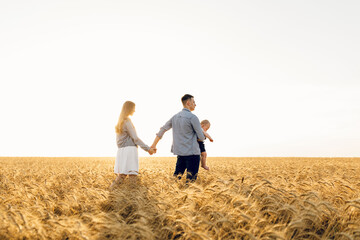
[205,122]
[128,106]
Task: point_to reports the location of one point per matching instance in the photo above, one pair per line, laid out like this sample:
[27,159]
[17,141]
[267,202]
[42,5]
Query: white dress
[127,158]
[127,161]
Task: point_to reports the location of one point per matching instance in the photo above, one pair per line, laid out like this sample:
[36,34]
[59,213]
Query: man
[186,131]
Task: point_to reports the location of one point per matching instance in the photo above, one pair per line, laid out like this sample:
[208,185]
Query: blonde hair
[205,122]
[126,110]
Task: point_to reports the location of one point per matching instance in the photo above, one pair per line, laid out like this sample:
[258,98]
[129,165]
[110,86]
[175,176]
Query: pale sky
[275,78]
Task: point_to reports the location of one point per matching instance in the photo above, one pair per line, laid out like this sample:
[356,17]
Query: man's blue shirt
[186,131]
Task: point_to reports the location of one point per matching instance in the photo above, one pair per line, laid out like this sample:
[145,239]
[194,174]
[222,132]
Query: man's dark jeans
[191,163]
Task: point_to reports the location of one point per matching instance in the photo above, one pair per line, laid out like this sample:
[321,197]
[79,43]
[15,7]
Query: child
[205,125]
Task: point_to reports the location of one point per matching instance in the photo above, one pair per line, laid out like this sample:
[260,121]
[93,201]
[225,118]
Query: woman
[127,160]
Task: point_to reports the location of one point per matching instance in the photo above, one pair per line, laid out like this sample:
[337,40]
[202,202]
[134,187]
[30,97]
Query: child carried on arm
[205,125]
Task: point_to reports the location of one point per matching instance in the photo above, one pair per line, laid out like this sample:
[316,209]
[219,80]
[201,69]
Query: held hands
[152,150]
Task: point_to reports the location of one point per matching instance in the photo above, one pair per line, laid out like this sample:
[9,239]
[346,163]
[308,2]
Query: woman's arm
[132,132]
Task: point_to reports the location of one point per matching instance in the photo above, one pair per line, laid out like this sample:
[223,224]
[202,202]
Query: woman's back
[128,137]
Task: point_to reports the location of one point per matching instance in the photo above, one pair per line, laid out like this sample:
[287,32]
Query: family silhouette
[188,145]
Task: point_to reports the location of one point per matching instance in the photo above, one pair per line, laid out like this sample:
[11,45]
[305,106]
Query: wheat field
[239,198]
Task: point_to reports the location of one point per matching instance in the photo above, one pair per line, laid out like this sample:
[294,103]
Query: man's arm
[197,128]
[156,140]
[160,134]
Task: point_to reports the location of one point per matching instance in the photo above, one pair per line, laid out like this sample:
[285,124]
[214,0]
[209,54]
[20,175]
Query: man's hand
[153,146]
[152,151]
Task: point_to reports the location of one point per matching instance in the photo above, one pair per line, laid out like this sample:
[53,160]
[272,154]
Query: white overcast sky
[275,78]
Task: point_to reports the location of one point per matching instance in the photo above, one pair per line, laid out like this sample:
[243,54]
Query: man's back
[186,130]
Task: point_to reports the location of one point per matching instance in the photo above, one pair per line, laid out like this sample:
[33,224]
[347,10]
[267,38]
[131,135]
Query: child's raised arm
[208,136]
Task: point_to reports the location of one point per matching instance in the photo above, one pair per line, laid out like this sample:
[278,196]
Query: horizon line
[174,156]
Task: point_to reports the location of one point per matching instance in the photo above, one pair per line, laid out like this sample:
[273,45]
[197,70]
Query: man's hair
[205,122]
[185,98]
